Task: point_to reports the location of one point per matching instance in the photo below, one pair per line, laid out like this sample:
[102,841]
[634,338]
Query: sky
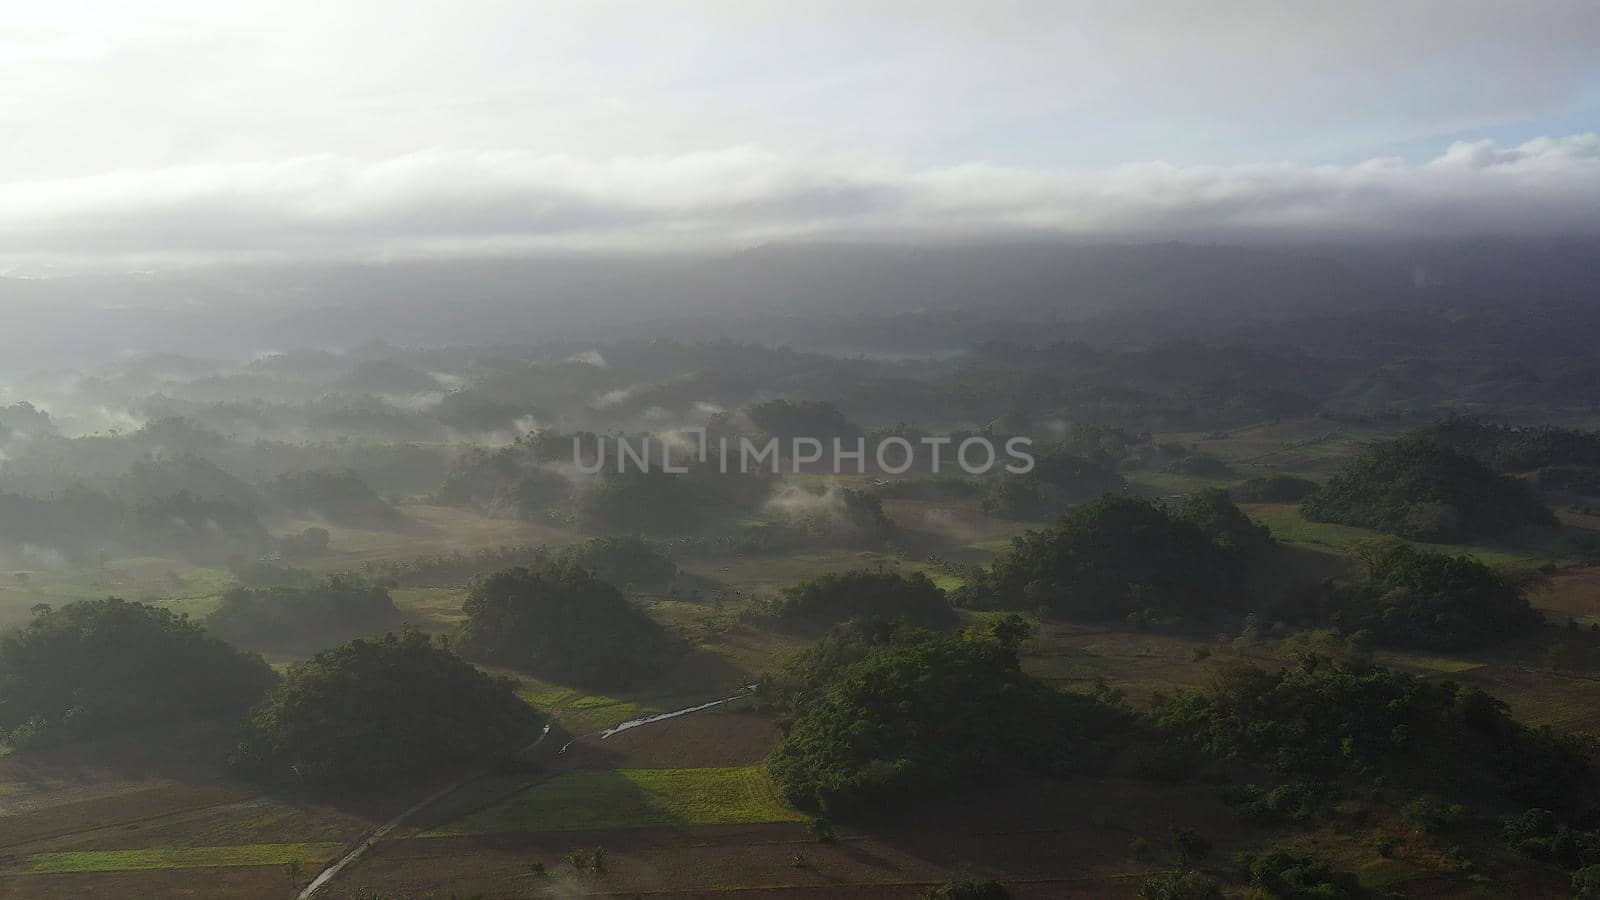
[175,132]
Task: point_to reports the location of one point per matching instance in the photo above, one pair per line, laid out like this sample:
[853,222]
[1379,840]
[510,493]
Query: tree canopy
[1518,448]
[290,619]
[837,596]
[802,419]
[1117,556]
[383,711]
[1425,490]
[338,495]
[1408,597]
[922,714]
[1325,718]
[560,621]
[97,667]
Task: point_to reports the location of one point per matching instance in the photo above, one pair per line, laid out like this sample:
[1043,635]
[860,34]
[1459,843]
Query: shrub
[1586,883]
[968,890]
[1294,802]
[1278,873]
[1180,886]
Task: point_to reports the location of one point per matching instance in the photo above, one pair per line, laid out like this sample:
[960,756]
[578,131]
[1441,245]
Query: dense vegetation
[1582,480]
[1426,490]
[1059,478]
[921,714]
[885,711]
[337,495]
[829,599]
[1409,597]
[512,481]
[1119,556]
[97,667]
[1324,718]
[559,621]
[653,502]
[290,619]
[623,560]
[383,711]
[784,419]
[1519,448]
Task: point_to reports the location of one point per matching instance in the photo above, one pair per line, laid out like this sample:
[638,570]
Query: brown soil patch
[206,884]
[1573,592]
[702,740]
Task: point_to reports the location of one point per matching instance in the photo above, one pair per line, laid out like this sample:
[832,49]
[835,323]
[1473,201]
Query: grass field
[307,855]
[633,798]
[1289,526]
[180,586]
[434,610]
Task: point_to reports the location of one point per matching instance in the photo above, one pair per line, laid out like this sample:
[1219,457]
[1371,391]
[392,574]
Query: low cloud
[444,203]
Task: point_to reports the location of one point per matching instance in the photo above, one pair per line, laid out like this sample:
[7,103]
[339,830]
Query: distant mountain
[801,294]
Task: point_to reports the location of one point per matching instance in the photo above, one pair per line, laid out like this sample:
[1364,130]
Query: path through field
[377,835]
[355,853]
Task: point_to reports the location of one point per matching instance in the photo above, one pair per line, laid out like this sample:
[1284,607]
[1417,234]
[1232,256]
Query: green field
[633,798]
[306,854]
[1288,526]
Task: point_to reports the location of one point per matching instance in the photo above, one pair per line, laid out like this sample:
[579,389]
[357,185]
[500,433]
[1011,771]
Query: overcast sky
[207,130]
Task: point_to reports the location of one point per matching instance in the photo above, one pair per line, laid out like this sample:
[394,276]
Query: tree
[292,619]
[622,560]
[559,621]
[382,711]
[859,742]
[338,495]
[96,667]
[1190,844]
[785,420]
[1423,489]
[829,599]
[1118,556]
[650,501]
[1410,597]
[1327,719]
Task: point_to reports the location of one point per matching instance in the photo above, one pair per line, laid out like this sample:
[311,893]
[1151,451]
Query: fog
[595,446]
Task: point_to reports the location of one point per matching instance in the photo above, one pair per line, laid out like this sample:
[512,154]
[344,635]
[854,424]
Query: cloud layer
[444,202]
